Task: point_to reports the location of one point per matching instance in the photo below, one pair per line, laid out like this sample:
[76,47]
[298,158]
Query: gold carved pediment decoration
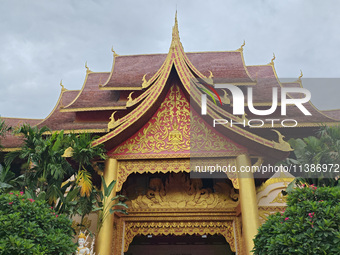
[179,191]
[173,128]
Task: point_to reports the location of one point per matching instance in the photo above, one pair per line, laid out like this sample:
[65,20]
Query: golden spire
[241,48]
[272,61]
[175,33]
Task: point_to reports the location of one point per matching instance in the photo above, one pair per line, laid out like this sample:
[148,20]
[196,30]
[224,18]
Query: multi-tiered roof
[116,104]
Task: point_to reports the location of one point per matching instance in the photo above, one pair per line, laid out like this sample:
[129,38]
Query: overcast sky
[42,41]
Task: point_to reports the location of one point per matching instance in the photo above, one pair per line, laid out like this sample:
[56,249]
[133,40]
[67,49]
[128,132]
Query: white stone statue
[82,249]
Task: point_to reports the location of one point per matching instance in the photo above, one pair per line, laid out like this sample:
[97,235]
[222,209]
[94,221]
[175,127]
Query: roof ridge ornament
[114,53]
[145,83]
[225,99]
[282,144]
[241,48]
[272,60]
[299,78]
[87,68]
[112,122]
[63,89]
[130,101]
[210,80]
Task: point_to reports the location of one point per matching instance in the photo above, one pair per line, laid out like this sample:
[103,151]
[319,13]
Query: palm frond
[85,182]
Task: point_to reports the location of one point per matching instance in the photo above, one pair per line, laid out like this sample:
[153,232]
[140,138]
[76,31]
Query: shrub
[32,227]
[309,225]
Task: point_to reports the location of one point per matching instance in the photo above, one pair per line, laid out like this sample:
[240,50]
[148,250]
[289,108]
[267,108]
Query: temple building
[148,113]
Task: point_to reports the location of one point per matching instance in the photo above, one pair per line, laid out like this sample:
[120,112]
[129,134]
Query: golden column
[248,201]
[105,236]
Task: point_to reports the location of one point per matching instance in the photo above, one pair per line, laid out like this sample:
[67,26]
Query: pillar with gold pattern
[105,236]
[249,209]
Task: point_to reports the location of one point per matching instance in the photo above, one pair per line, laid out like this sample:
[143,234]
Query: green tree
[44,168]
[321,150]
[58,168]
[32,227]
[309,225]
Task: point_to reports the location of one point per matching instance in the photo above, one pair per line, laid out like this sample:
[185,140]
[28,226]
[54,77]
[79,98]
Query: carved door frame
[179,223]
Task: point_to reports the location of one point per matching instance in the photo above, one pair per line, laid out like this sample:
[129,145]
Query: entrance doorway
[179,245]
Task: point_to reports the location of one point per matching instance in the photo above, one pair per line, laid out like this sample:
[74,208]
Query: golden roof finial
[175,33]
[145,82]
[62,86]
[241,48]
[87,68]
[282,144]
[130,101]
[272,61]
[114,53]
[225,99]
[211,75]
[112,122]
[301,74]
[210,80]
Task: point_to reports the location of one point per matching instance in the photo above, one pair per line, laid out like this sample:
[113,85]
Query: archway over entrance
[179,245]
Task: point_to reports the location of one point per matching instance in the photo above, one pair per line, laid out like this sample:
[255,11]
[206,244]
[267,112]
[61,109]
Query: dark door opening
[179,245]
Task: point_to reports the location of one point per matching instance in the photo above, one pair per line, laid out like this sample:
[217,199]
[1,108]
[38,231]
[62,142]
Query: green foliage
[3,129]
[44,168]
[322,149]
[107,205]
[8,180]
[309,225]
[32,228]
[49,177]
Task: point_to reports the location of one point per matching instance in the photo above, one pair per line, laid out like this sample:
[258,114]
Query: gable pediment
[175,131]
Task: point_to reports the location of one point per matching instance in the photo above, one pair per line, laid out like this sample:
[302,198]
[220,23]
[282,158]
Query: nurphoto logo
[238,99]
